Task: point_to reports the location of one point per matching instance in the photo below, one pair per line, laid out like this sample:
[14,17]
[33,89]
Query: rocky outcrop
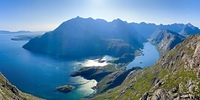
[185,54]
[182,62]
[64,89]
[11,92]
[96,73]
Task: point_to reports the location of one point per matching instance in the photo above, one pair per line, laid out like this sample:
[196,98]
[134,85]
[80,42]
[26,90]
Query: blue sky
[45,15]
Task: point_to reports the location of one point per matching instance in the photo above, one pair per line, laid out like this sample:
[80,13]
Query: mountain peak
[168,31]
[189,29]
[189,24]
[119,20]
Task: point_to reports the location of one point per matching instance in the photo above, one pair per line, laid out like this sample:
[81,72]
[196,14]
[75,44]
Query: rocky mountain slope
[10,92]
[175,76]
[165,40]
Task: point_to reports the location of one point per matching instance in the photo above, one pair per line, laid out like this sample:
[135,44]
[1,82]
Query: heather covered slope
[175,75]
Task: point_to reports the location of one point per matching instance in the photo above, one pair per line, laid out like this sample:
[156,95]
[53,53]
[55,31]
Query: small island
[23,37]
[64,89]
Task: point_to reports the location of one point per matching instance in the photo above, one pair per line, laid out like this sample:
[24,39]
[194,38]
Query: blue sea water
[39,74]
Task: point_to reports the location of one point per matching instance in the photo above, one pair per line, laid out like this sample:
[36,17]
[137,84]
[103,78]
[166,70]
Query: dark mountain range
[189,29]
[80,37]
[182,29]
[173,27]
[144,29]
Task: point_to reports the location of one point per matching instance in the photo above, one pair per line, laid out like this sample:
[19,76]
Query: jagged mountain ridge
[175,75]
[189,29]
[182,29]
[80,37]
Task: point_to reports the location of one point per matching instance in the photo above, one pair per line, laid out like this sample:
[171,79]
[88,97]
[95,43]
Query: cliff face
[10,92]
[176,75]
[165,40]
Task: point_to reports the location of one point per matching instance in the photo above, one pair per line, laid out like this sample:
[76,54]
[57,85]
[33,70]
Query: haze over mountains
[84,37]
[80,37]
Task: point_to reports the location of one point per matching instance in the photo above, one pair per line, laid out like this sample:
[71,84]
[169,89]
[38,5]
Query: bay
[39,74]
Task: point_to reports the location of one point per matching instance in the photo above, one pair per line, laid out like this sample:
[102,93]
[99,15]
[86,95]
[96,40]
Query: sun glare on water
[95,62]
[90,63]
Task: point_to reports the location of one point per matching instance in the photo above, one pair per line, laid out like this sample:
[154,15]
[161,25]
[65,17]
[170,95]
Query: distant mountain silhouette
[6,32]
[189,29]
[80,37]
[144,29]
[182,29]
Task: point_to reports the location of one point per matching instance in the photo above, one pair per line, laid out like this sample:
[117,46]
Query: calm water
[151,55]
[38,74]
